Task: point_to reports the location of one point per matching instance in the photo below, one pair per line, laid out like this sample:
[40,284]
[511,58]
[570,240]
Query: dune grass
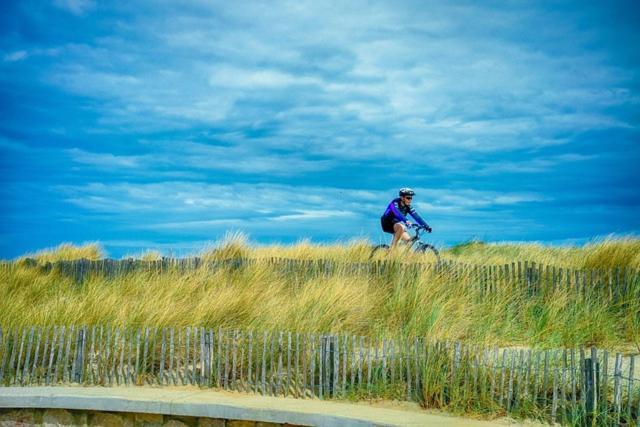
[261,297]
[600,253]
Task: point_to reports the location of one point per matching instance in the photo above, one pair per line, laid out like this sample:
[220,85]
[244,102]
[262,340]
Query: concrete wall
[63,417]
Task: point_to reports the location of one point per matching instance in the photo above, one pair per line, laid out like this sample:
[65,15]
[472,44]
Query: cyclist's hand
[429,229]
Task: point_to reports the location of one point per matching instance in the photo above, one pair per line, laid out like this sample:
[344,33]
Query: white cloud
[204,207]
[16,56]
[251,79]
[348,80]
[105,160]
[313,214]
[76,7]
[189,157]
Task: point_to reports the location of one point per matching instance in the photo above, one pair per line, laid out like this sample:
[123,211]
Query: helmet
[406,192]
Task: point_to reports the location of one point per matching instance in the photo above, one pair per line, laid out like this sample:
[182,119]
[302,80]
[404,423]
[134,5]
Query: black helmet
[406,192]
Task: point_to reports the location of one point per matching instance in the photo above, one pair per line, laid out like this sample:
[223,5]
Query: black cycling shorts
[387,225]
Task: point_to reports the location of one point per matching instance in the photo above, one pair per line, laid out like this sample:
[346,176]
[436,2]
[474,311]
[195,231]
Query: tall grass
[399,302]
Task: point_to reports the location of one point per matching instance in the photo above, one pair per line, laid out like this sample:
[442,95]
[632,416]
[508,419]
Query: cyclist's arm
[396,212]
[418,218]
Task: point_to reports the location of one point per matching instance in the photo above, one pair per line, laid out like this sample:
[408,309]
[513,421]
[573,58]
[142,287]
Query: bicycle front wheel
[429,252]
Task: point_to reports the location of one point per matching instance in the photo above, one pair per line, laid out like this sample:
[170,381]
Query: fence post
[591,376]
[331,368]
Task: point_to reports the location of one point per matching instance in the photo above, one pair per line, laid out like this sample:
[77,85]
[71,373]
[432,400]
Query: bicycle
[420,247]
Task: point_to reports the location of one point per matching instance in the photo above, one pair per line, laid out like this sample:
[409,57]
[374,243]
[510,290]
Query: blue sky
[164,125]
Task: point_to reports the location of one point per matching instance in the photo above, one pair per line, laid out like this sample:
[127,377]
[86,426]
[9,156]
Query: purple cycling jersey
[397,212]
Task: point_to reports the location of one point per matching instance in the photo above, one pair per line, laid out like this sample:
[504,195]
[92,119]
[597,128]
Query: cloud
[105,160]
[76,7]
[16,56]
[276,115]
[184,157]
[313,214]
[347,88]
[189,206]
[254,79]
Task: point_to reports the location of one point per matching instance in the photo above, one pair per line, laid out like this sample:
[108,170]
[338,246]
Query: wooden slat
[179,372]
[40,372]
[630,387]
[195,356]
[312,366]
[554,401]
[16,370]
[203,356]
[263,377]
[503,369]
[227,352]
[54,340]
[305,358]
[61,341]
[219,366]
[511,379]
[172,373]
[14,345]
[187,375]
[92,375]
[113,348]
[234,361]
[536,376]
[297,382]
[583,398]
[324,372]
[250,363]
[336,366]
[130,374]
[137,379]
[563,385]
[545,378]
[353,362]
[492,372]
[604,383]
[76,355]
[617,388]
[27,360]
[407,368]
[288,386]
[163,348]
[594,376]
[152,375]
[66,373]
[4,347]
[280,364]
[360,360]
[573,382]
[321,357]
[105,349]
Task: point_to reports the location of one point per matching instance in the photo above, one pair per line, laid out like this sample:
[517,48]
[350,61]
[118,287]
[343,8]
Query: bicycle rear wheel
[379,251]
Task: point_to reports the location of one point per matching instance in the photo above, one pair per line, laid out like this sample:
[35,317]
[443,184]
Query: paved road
[191,401]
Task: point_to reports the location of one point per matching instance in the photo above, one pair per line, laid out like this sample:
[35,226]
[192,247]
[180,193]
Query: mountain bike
[415,243]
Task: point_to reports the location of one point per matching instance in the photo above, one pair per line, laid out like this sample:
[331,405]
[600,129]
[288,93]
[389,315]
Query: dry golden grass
[399,302]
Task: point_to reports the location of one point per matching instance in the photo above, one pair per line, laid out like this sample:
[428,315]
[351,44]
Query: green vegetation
[260,296]
[401,301]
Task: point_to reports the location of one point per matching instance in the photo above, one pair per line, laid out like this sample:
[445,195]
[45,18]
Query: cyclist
[394,220]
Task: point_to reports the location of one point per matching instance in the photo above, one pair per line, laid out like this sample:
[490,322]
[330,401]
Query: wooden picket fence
[575,386]
[613,284]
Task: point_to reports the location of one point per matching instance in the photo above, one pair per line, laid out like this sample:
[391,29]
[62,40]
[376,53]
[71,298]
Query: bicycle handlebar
[419,227]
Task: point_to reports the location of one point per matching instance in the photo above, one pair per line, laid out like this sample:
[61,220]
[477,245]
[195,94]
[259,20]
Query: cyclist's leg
[399,232]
